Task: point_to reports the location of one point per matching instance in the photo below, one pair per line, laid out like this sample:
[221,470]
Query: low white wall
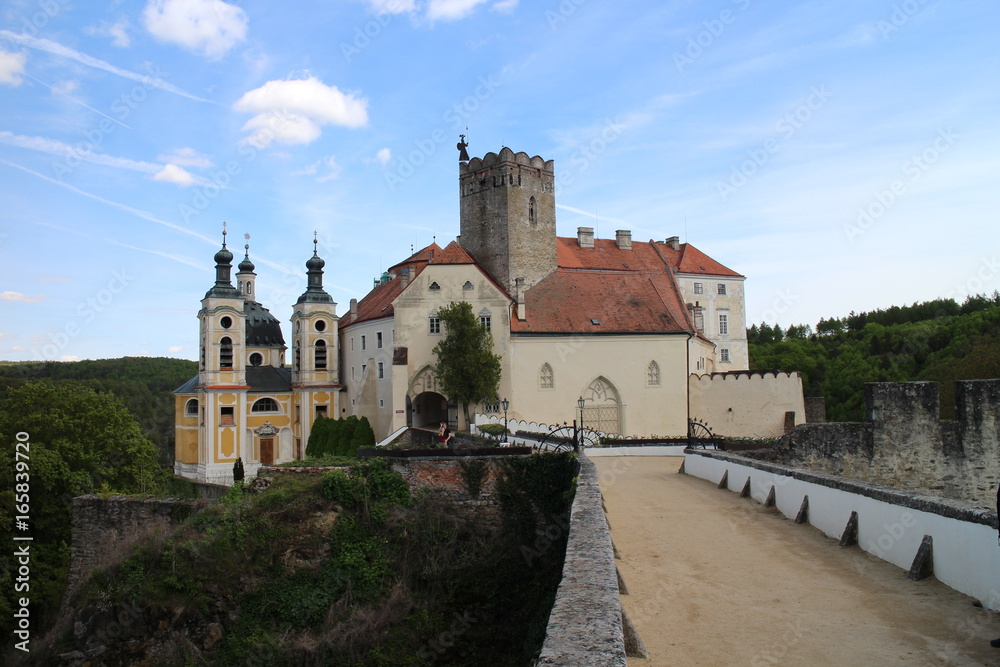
[966,555]
[654,450]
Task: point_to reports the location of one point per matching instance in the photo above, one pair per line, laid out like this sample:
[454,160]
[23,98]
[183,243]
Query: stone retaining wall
[585,625]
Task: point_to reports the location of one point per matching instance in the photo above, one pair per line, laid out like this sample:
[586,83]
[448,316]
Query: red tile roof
[452,254]
[688,259]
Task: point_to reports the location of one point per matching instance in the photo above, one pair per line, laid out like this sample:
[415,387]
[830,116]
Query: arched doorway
[602,408]
[429,409]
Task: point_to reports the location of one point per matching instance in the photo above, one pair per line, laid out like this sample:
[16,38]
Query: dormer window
[434,287]
[468,285]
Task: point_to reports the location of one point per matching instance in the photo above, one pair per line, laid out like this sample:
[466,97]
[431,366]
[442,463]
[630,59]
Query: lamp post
[580,403]
[505,404]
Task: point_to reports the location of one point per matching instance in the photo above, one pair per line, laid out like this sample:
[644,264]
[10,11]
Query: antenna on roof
[685,228]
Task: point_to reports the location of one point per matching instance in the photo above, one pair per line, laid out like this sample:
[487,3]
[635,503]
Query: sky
[843,156]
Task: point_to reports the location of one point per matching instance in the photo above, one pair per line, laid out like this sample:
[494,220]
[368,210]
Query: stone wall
[585,625]
[105,527]
[903,443]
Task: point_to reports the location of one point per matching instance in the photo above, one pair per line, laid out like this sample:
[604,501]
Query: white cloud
[11,68]
[171,173]
[65,87]
[187,157]
[69,357]
[292,111]
[73,154]
[392,6]
[329,166]
[210,27]
[57,49]
[383,156]
[504,6]
[22,298]
[174,349]
[451,10]
[118,32]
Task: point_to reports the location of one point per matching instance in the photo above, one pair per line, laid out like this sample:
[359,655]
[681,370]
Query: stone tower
[508,216]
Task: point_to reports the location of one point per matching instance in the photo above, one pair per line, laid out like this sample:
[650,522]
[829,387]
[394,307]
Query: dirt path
[716,579]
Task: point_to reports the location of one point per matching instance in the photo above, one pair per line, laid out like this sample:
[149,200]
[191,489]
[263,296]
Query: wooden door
[267,451]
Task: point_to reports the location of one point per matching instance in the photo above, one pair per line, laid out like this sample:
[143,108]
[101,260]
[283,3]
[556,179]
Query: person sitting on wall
[444,434]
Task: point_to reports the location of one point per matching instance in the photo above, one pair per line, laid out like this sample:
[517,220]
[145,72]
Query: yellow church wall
[226,445]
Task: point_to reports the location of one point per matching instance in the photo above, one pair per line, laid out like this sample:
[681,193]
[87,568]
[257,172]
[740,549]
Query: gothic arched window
[545,377]
[653,374]
[531,211]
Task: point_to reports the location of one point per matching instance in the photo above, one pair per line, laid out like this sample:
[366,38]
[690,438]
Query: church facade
[650,334]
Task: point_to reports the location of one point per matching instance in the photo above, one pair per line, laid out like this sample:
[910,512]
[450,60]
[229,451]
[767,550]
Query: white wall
[965,553]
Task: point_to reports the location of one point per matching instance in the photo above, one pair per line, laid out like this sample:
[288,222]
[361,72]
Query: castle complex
[649,334]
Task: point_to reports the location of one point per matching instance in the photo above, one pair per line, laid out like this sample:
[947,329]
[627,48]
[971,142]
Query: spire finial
[224,232]
[315,244]
[246,246]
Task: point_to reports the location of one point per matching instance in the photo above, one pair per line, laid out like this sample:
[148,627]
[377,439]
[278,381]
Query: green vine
[474,472]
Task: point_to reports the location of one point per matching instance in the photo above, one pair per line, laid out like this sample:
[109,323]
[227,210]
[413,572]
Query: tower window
[364,345]
[531,211]
[225,352]
[265,405]
[298,357]
[256,359]
[191,408]
[226,322]
[320,325]
[724,355]
[321,355]
[226,417]
[722,289]
[381,370]
[723,324]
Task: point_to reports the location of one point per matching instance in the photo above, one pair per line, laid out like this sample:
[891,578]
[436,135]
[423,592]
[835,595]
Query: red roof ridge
[452,254]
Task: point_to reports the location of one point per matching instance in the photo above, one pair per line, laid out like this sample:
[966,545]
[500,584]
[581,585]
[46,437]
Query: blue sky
[843,156]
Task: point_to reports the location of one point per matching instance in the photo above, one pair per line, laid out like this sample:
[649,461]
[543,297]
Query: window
[352,372]
[722,289]
[225,352]
[653,374]
[298,357]
[698,288]
[724,355]
[364,345]
[723,324]
[298,414]
[531,211]
[381,370]
[256,359]
[434,286]
[492,407]
[486,321]
[226,417]
[468,285]
[191,408]
[320,325]
[545,378]
[435,325]
[381,402]
[265,405]
[378,339]
[352,343]
[321,355]
[226,322]
[320,411]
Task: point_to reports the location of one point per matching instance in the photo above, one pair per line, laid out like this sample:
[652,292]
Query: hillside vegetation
[347,569]
[939,341]
[145,385]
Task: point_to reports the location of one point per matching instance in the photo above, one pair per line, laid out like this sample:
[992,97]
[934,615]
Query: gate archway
[602,408]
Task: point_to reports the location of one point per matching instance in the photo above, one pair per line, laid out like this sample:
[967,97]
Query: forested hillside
[144,385]
[939,340]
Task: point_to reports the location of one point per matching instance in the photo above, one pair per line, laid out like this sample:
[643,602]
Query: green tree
[80,442]
[467,367]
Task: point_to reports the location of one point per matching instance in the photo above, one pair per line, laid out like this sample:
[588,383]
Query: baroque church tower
[508,216]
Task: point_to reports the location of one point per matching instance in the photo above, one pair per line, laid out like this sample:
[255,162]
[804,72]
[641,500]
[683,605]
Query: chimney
[354,307]
[674,242]
[519,297]
[585,237]
[623,239]
[404,277]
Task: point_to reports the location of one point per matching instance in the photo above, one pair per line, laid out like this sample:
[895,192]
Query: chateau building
[648,333]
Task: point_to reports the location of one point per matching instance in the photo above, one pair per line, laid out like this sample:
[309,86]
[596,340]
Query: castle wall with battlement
[761,404]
